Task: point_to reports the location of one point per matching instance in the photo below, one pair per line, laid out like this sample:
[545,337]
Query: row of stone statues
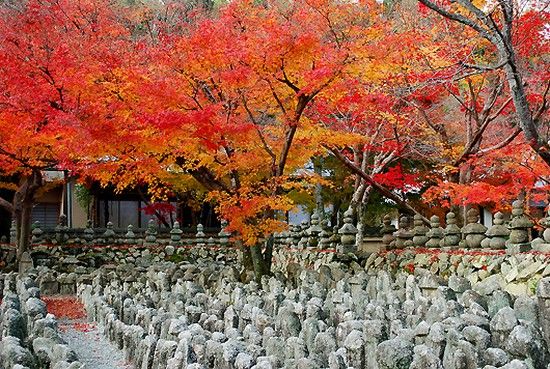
[514,236]
[317,234]
[150,237]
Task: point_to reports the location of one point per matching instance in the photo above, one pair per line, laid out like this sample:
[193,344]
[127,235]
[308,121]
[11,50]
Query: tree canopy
[446,100]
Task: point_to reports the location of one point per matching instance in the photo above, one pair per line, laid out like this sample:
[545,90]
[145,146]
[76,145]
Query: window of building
[47,214]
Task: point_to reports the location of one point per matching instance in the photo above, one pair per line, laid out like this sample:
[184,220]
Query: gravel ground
[92,348]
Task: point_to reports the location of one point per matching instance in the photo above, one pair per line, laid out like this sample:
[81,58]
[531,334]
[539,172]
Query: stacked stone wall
[517,274]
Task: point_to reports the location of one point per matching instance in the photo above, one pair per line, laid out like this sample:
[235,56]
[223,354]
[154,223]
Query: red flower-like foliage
[65,307]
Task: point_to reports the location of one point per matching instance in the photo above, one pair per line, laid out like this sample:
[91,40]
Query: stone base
[346,249]
[542,247]
[512,249]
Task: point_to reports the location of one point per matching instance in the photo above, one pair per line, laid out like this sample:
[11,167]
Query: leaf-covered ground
[84,338]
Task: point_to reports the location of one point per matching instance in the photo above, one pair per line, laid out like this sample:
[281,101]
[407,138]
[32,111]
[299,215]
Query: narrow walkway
[84,338]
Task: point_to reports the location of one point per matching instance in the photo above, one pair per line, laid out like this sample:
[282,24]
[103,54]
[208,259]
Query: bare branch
[485,68]
[6,205]
[502,144]
[277,99]
[266,146]
[459,18]
[377,186]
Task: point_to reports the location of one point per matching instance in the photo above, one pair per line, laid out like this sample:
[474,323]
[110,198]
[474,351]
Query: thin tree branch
[502,144]
[377,186]
[6,205]
[459,18]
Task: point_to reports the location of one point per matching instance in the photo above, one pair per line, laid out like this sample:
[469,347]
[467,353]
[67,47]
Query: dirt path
[86,339]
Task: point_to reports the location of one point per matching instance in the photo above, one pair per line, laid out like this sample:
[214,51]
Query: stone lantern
[473,232]
[348,234]
[497,234]
[520,227]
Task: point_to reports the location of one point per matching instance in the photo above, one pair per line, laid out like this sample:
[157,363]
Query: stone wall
[517,274]
[30,337]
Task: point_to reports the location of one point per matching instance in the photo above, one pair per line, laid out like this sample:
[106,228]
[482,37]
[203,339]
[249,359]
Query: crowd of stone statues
[199,316]
[151,236]
[412,309]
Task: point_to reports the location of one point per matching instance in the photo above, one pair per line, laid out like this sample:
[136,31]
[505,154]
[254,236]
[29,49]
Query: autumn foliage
[233,103]
[65,307]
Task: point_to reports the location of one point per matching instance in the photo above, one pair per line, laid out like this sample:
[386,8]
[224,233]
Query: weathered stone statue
[314,231]
[347,234]
[151,234]
[403,236]
[25,263]
[497,234]
[542,244]
[223,234]
[175,234]
[37,233]
[313,323]
[435,233]
[61,235]
[335,238]
[326,234]
[109,234]
[520,228]
[130,236]
[474,232]
[304,238]
[387,230]
[200,236]
[420,230]
[89,232]
[452,232]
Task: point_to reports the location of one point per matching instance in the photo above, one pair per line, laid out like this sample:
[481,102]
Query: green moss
[176,258]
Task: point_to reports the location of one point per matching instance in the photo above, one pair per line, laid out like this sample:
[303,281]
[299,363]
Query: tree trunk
[23,202]
[261,266]
[361,214]
[24,240]
[523,111]
[335,210]
[246,255]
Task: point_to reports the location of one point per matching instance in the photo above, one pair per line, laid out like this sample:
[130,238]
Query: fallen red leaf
[65,307]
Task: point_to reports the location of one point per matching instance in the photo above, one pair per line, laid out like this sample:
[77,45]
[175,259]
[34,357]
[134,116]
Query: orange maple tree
[236,102]
[223,106]
[50,52]
[488,150]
